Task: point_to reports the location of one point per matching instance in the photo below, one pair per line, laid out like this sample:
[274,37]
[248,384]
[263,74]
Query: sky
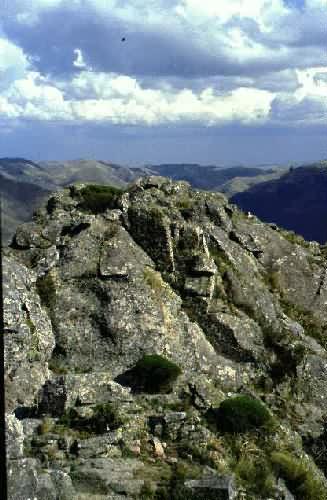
[157,81]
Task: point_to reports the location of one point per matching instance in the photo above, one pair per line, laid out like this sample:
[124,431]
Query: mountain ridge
[175,346]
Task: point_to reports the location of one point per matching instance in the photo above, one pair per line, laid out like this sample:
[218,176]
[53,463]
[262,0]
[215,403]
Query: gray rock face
[219,487]
[28,336]
[220,304]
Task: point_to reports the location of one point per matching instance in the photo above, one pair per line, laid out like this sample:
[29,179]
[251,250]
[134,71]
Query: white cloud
[79,59]
[27,11]
[13,63]
[241,31]
[312,82]
[264,12]
[32,97]
[121,99]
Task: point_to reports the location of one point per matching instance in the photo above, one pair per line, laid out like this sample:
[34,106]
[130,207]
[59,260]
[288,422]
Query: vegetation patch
[152,374]
[294,238]
[33,353]
[153,279]
[271,279]
[97,198]
[313,328]
[157,373]
[46,426]
[51,205]
[254,472]
[47,291]
[200,455]
[186,205]
[104,417]
[298,477]
[57,366]
[221,259]
[241,414]
[174,489]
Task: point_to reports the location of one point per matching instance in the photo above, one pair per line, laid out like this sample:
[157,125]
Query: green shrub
[97,198]
[51,205]
[299,479]
[47,291]
[156,374]
[241,414]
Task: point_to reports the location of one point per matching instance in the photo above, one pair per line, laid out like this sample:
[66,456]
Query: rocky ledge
[161,344]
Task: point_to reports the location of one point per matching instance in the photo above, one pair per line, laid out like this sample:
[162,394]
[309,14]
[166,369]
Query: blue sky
[195,80]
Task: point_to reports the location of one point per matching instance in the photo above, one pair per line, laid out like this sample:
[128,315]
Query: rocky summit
[162,344]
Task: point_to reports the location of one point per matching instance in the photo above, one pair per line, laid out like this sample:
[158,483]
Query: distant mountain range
[296,201]
[24,183]
[226,180]
[294,198]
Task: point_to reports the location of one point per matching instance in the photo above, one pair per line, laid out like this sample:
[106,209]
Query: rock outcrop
[127,327]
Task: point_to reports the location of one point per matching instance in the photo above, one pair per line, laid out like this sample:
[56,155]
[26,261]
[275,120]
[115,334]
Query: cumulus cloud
[13,63]
[183,61]
[121,99]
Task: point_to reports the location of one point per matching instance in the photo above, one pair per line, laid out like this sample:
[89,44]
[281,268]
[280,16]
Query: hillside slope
[19,200]
[217,178]
[297,201]
[23,184]
[161,344]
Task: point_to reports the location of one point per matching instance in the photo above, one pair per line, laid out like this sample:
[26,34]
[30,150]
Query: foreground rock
[130,318]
